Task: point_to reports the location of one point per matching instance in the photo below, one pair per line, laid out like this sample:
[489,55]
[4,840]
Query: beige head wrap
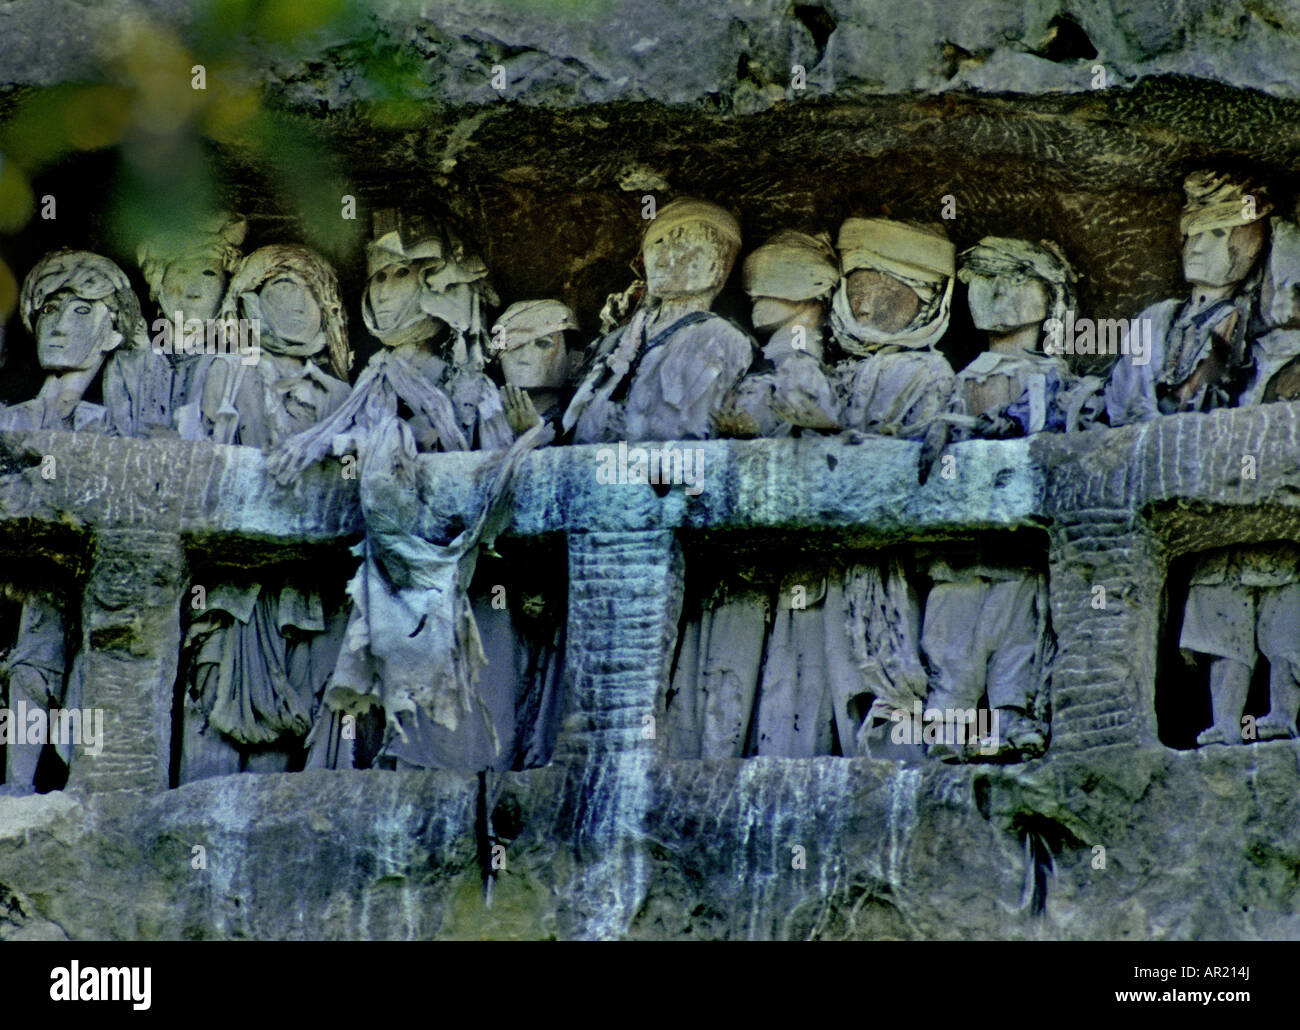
[906,251]
[686,210]
[90,277]
[1220,202]
[996,257]
[529,320]
[791,266]
[920,256]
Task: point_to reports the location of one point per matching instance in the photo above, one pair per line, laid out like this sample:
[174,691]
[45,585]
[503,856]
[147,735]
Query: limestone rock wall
[997,105]
[612,839]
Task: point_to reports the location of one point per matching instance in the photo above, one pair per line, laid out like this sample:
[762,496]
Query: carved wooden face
[1221,257]
[999,304]
[691,259]
[879,300]
[73,334]
[773,313]
[393,290]
[541,364]
[290,310]
[192,286]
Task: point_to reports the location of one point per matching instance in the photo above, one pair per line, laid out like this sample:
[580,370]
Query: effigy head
[1015,283]
[79,306]
[896,285]
[789,279]
[689,249]
[528,339]
[420,279]
[1224,226]
[294,295]
[188,274]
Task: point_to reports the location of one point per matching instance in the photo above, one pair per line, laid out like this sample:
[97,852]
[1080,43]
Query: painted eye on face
[49,308]
[83,309]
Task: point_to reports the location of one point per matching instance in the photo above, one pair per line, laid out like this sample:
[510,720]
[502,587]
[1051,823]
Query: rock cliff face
[1111,834]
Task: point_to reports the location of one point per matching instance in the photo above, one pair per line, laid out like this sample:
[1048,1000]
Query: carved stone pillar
[625,596]
[131,638]
[1105,588]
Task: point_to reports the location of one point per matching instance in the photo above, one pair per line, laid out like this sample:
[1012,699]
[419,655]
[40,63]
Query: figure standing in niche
[259,654]
[985,632]
[187,279]
[1021,385]
[81,309]
[528,341]
[714,685]
[664,374]
[300,374]
[1243,602]
[843,649]
[1199,356]
[424,390]
[788,280]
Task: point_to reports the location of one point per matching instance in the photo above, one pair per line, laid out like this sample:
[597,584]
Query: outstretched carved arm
[294,455]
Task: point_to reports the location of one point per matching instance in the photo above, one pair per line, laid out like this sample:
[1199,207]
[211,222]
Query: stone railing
[1117,506]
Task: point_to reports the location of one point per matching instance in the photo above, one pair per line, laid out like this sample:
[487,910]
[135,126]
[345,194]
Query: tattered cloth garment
[255,680]
[471,411]
[895,392]
[1193,338]
[274,400]
[138,388]
[1275,337]
[412,644]
[43,413]
[661,387]
[792,379]
[1183,336]
[855,639]
[715,679]
[883,623]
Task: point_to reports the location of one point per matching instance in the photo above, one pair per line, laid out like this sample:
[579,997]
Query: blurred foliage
[171,107]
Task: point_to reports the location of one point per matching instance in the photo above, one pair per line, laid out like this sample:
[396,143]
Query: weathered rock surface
[1197,845]
[998,106]
[605,102]
[674,52]
[614,840]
